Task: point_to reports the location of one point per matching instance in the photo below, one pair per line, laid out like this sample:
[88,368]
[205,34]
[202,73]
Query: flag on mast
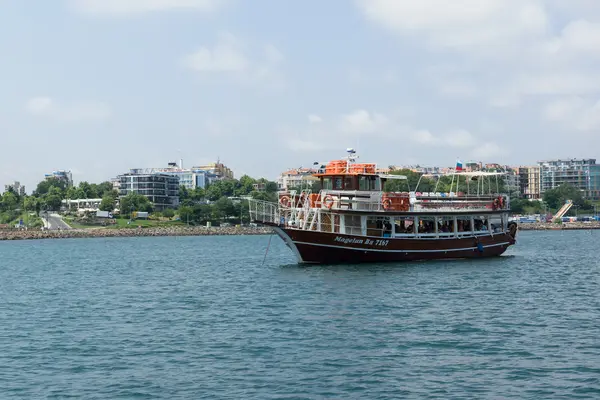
[459,165]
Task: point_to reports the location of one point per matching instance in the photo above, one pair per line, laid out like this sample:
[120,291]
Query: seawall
[131,232]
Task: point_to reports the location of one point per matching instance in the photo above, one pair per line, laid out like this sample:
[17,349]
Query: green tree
[246,185]
[134,202]
[556,197]
[108,202]
[10,201]
[224,208]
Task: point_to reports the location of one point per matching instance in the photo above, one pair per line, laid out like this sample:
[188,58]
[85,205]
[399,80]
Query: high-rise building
[218,169]
[65,176]
[529,182]
[15,187]
[583,174]
[161,189]
[191,178]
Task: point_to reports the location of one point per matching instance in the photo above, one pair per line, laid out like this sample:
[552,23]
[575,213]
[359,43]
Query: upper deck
[347,186]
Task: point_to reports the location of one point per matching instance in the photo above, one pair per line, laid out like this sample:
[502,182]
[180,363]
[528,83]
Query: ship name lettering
[348,240]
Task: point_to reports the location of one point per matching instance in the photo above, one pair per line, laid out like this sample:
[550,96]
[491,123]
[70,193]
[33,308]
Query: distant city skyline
[134,84]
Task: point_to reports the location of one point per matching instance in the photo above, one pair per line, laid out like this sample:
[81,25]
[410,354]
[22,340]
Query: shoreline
[565,226]
[15,234]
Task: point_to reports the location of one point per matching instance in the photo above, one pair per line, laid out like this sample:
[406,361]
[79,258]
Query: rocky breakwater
[15,234]
[548,226]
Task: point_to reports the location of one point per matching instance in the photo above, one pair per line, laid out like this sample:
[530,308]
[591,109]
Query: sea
[223,318]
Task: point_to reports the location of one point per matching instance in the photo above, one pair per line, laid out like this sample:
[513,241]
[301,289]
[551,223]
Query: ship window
[426,225]
[338,183]
[463,225]
[446,225]
[481,224]
[327,184]
[348,183]
[379,226]
[363,183]
[404,226]
[353,224]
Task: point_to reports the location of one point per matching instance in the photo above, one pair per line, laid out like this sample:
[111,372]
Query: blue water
[201,317]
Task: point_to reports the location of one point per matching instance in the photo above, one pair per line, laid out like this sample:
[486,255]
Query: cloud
[230,55]
[465,24]
[314,119]
[488,150]
[329,133]
[507,51]
[574,113]
[48,108]
[132,7]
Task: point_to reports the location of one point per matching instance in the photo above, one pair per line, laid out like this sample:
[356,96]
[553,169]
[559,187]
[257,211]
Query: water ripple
[201,317]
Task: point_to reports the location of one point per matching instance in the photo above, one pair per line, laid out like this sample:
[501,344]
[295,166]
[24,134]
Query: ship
[353,219]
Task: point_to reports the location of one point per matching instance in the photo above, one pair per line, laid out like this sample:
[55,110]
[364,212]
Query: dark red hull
[331,248]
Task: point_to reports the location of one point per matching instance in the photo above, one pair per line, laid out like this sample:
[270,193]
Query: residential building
[15,187]
[65,176]
[161,189]
[297,178]
[191,178]
[529,182]
[512,180]
[116,184]
[584,174]
[218,169]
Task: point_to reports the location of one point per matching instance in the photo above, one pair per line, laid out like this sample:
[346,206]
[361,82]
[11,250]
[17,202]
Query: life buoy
[386,203]
[328,201]
[501,202]
[284,201]
[495,204]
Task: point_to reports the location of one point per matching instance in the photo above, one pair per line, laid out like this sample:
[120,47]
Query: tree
[134,202]
[108,202]
[224,208]
[246,185]
[9,201]
[556,197]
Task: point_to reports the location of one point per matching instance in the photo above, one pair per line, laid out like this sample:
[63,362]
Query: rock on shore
[547,226]
[15,234]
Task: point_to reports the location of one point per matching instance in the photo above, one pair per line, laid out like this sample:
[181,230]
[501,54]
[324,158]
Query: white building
[16,187]
[297,178]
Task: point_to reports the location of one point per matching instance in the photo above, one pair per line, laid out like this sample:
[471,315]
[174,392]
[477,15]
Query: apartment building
[15,187]
[161,189]
[584,174]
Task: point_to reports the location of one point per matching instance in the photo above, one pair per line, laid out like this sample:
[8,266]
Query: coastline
[131,232]
[567,226]
[15,234]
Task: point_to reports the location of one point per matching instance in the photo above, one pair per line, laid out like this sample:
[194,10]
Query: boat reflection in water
[353,220]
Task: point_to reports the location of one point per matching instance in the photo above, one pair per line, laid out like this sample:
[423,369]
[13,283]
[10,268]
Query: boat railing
[376,201]
[264,211]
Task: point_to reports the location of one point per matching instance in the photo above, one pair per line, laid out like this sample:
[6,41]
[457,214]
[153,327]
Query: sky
[101,86]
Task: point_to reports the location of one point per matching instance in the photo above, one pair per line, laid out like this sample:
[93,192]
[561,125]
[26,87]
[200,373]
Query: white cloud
[230,55]
[488,150]
[461,23]
[130,7]
[518,49]
[347,129]
[575,113]
[225,56]
[362,121]
[47,107]
[458,89]
[314,119]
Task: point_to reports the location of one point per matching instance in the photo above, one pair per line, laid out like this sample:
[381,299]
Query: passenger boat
[353,220]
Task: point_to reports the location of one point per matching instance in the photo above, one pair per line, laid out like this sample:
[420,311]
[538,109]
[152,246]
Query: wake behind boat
[353,220]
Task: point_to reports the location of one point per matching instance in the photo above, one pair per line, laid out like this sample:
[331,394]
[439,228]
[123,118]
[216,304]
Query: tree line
[195,206]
